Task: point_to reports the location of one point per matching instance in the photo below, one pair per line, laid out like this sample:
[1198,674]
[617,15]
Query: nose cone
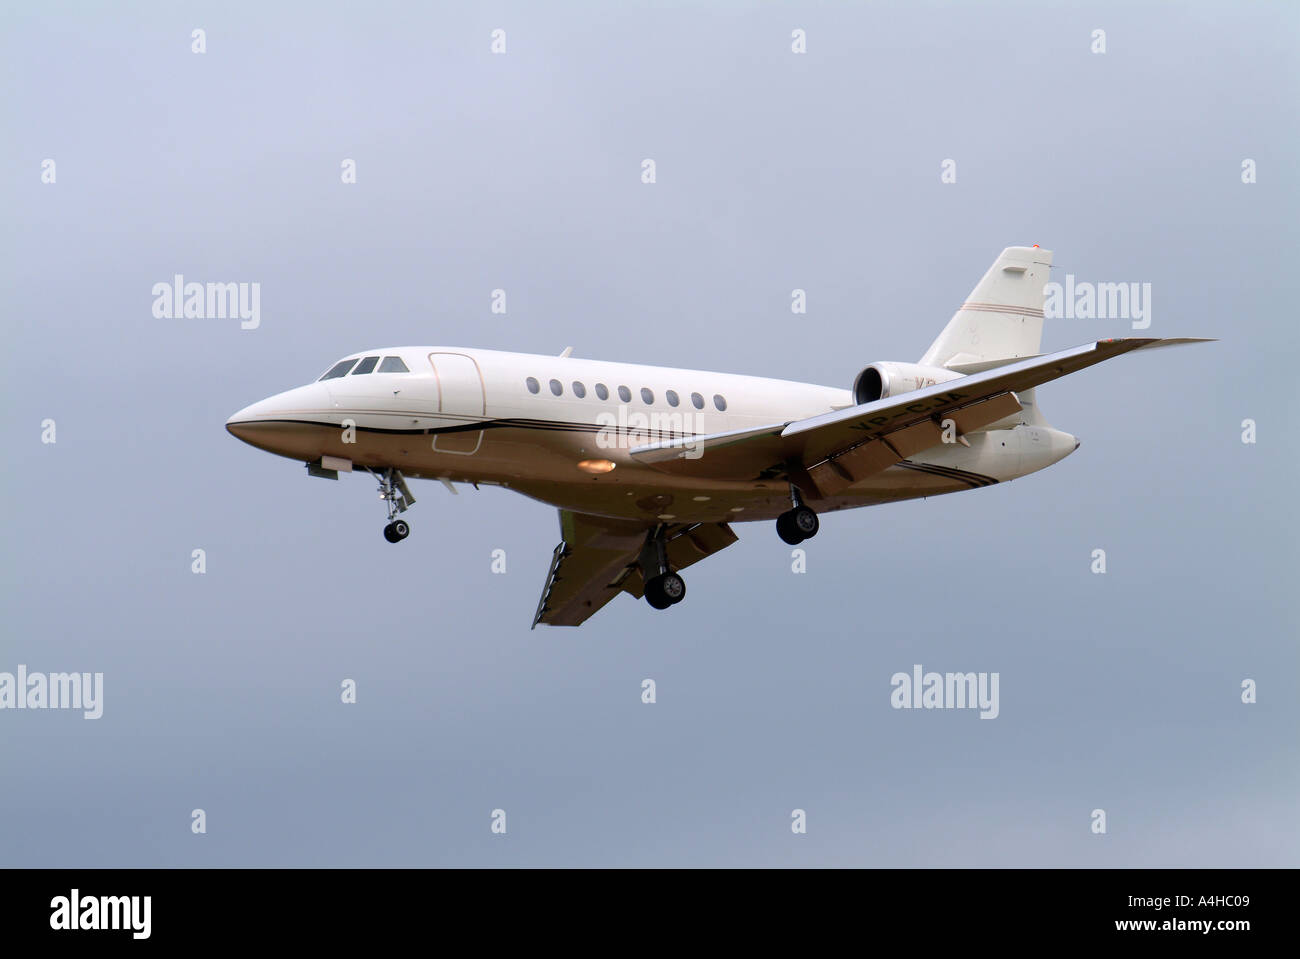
[251,419]
[240,424]
[266,423]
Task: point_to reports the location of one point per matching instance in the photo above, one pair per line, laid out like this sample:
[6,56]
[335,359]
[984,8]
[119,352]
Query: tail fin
[1002,319]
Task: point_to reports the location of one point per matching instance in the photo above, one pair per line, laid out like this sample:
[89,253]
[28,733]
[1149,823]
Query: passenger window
[697,400]
[625,394]
[647,396]
[533,385]
[393,364]
[602,391]
[672,397]
[338,369]
[366,365]
[557,387]
[579,390]
[719,402]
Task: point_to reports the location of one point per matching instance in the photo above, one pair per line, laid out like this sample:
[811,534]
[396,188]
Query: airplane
[650,466]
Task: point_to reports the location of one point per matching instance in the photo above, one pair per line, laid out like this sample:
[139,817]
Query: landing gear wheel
[805,521]
[665,590]
[655,598]
[397,531]
[673,587]
[796,525]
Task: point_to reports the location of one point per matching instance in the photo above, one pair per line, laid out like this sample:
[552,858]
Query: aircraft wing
[598,558]
[843,447]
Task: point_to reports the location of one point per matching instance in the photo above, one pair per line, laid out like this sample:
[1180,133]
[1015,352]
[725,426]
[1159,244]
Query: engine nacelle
[881,380]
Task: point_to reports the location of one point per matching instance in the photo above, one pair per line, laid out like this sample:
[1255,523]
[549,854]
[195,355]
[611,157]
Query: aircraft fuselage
[550,427]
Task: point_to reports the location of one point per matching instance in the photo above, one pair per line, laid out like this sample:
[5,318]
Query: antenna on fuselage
[568,351]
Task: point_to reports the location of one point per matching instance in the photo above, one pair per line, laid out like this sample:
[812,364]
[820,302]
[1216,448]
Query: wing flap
[686,547]
[586,567]
[842,469]
[598,558]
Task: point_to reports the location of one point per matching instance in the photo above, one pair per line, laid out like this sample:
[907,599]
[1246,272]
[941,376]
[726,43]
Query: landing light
[595,466]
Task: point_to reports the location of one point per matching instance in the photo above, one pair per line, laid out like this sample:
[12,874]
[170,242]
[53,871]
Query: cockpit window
[366,365]
[339,369]
[393,364]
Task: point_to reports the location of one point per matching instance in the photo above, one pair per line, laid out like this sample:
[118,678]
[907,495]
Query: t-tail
[1000,322]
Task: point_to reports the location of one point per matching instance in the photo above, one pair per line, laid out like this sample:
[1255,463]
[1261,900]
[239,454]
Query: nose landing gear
[799,523]
[397,497]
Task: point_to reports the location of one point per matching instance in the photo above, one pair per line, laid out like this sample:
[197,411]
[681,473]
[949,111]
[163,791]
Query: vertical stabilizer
[1003,316]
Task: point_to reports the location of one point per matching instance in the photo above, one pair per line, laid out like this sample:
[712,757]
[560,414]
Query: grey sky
[522,171]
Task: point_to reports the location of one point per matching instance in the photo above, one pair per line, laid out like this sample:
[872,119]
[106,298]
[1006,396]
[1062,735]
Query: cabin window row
[579,389]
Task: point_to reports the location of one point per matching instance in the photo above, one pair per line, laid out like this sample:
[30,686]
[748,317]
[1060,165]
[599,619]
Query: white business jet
[649,466]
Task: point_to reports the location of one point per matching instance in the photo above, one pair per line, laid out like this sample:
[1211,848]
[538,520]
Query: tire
[654,595]
[390,534]
[785,528]
[673,588]
[805,522]
[401,530]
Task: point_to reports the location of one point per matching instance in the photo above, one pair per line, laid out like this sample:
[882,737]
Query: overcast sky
[522,171]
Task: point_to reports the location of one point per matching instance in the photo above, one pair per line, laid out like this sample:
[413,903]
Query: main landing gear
[666,589]
[663,587]
[799,523]
[397,497]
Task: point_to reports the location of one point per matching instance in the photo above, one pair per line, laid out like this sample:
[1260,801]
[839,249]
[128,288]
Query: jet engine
[881,380]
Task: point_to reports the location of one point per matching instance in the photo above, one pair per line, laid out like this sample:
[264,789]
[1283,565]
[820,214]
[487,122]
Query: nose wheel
[799,523]
[398,499]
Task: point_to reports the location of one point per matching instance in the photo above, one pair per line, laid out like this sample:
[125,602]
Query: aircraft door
[461,403]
